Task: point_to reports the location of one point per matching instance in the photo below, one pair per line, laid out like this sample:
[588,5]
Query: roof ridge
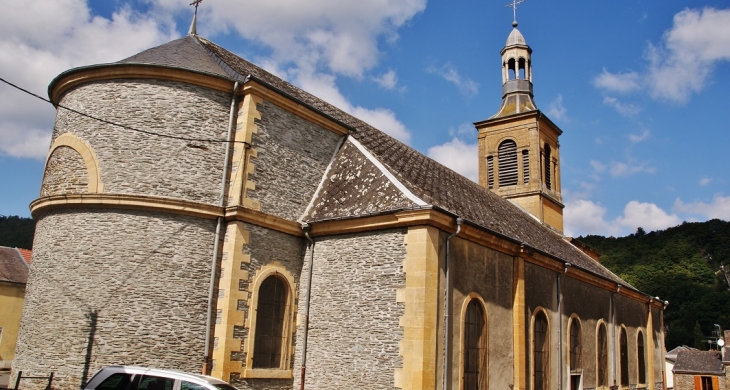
[221,62]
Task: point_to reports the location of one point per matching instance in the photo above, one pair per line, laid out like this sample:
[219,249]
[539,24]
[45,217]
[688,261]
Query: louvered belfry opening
[548,181]
[490,172]
[475,347]
[525,166]
[507,163]
[270,317]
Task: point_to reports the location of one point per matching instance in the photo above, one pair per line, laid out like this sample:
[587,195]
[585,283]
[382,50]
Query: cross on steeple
[514,10]
[193,25]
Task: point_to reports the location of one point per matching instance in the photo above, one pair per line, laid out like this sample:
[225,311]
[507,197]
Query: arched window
[602,355]
[540,352]
[547,164]
[521,69]
[641,360]
[271,317]
[507,155]
[624,352]
[511,68]
[576,352]
[475,347]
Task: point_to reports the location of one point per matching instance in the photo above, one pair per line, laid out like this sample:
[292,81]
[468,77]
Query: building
[699,370]
[670,359]
[240,226]
[13,277]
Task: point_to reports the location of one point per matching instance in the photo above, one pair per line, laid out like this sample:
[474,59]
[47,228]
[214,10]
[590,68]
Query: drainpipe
[219,224]
[306,228]
[447,307]
[566,265]
[613,325]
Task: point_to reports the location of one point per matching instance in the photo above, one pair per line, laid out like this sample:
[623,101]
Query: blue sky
[638,87]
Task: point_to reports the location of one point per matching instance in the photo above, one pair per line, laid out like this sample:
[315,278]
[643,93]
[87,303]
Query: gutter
[560,325]
[207,364]
[305,228]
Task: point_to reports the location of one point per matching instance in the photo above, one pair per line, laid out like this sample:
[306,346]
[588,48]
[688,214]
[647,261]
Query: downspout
[447,306]
[207,366]
[308,294]
[566,265]
[613,325]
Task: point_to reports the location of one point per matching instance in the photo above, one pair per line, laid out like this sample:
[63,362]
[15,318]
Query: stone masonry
[65,173]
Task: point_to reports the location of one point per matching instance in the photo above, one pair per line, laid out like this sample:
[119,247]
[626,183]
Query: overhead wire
[191,139]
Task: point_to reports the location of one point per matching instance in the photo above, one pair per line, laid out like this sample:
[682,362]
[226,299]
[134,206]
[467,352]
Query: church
[201,214]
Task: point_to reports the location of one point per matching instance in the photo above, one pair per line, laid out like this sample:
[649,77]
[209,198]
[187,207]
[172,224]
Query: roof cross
[514,10]
[193,25]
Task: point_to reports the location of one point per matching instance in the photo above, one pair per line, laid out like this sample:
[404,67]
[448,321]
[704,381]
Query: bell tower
[519,152]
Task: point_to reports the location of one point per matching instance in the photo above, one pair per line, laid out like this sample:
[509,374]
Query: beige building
[13,276]
[240,226]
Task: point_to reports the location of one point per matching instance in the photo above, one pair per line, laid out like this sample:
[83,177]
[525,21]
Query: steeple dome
[516,75]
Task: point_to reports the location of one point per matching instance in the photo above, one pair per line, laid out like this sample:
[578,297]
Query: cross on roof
[196,3]
[514,9]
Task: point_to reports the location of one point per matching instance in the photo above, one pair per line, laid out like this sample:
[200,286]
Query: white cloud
[557,110]
[467,87]
[583,217]
[458,155]
[705,181]
[681,63]
[718,208]
[387,80]
[617,82]
[636,138]
[42,39]
[625,109]
[621,169]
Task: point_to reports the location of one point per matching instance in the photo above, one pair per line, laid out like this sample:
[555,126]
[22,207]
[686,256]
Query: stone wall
[135,163]
[114,287]
[65,173]
[354,330]
[291,157]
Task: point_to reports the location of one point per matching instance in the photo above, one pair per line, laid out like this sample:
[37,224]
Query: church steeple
[519,152]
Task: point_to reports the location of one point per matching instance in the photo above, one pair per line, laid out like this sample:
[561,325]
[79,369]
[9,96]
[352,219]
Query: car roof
[163,372]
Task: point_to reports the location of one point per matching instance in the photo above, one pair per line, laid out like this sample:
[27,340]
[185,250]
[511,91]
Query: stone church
[199,213]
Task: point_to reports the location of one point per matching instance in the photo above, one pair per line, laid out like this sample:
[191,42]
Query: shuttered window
[624,352]
[475,347]
[540,354]
[507,163]
[548,171]
[602,356]
[525,166]
[706,383]
[641,358]
[490,171]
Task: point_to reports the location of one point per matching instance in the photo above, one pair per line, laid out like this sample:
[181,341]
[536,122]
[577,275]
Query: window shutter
[715,383]
[698,382]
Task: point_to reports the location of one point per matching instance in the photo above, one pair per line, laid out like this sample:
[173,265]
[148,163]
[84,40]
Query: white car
[140,378]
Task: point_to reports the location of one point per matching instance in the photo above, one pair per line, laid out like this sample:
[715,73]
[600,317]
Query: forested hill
[16,232]
[678,265]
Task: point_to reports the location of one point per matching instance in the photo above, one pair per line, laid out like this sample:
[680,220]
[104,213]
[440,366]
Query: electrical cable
[120,125]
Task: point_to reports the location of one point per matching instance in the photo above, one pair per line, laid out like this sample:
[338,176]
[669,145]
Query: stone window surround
[284,371]
[544,312]
[465,305]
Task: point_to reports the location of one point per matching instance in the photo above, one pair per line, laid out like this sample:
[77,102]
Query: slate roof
[435,184]
[672,355]
[698,362]
[13,267]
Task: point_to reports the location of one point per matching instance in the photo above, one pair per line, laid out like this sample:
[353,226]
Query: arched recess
[575,352]
[641,357]
[90,159]
[540,350]
[601,355]
[474,355]
[262,278]
[623,356]
[507,162]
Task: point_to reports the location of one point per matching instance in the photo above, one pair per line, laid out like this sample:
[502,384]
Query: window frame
[284,371]
[623,357]
[602,325]
[546,350]
[641,358]
[477,299]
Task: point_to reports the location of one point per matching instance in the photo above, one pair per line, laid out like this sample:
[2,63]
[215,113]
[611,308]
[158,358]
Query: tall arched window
[641,360]
[475,347]
[576,351]
[507,155]
[271,316]
[602,355]
[547,165]
[624,352]
[540,352]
